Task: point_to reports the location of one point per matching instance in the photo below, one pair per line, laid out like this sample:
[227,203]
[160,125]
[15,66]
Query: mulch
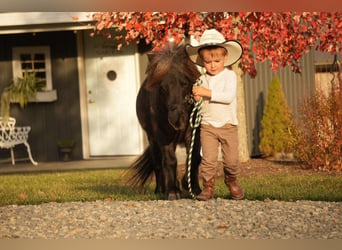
[268,167]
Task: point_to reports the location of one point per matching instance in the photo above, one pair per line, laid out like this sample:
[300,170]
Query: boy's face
[214,59]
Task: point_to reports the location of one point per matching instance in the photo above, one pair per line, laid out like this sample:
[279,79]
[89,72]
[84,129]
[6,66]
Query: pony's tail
[142,169]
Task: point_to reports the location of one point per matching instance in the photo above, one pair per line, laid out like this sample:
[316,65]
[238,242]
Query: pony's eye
[184,83]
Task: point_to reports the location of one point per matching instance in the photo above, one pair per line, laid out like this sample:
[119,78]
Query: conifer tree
[277,125]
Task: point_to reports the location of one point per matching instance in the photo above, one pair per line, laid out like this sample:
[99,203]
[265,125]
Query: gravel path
[186,218]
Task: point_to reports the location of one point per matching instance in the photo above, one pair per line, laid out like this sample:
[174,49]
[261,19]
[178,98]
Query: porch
[28,167]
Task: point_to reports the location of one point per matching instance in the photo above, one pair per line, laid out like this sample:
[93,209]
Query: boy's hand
[197,98]
[201,92]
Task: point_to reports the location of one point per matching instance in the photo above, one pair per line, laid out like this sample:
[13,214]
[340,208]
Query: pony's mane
[161,62]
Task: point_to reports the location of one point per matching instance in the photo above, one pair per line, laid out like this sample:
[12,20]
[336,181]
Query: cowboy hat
[212,37]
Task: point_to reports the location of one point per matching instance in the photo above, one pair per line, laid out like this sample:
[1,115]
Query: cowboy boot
[234,187]
[208,190]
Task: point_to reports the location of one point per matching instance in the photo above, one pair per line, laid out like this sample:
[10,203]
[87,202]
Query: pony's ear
[155,72]
[158,66]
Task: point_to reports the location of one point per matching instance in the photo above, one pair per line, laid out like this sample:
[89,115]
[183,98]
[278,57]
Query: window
[326,70]
[33,59]
[326,62]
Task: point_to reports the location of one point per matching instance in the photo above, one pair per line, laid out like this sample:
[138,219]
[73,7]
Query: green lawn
[111,185]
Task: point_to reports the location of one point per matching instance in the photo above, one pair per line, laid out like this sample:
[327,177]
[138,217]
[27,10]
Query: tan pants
[211,138]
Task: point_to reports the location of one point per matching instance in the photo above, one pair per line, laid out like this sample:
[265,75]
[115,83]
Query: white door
[112,87]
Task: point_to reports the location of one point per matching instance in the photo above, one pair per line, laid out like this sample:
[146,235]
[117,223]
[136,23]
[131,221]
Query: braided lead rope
[194,126]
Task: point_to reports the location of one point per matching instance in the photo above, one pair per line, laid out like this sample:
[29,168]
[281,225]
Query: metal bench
[10,136]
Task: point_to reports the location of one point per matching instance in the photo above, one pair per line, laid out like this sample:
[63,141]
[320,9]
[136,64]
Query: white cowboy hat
[213,37]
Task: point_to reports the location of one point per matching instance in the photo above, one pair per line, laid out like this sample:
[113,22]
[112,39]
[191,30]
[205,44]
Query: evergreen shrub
[277,125]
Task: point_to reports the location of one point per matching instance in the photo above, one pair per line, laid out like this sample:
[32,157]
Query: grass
[291,188]
[91,185]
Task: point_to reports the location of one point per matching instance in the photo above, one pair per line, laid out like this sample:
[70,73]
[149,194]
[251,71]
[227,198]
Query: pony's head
[172,73]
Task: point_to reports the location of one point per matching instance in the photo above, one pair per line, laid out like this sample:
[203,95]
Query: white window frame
[17,69]
[324,76]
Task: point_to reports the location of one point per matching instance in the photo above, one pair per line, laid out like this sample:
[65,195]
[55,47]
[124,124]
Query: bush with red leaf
[319,144]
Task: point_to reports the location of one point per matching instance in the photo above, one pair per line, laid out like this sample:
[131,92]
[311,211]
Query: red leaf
[22,196]
[128,26]
[138,26]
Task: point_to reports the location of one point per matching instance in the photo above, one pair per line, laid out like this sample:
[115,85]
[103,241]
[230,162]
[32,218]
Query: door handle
[90,100]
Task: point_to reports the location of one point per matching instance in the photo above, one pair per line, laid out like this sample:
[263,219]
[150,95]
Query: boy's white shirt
[222,107]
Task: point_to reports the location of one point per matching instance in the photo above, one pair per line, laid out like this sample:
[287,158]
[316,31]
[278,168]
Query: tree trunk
[242,128]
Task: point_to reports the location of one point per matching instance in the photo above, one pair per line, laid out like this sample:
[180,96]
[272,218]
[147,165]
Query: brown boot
[208,190]
[234,187]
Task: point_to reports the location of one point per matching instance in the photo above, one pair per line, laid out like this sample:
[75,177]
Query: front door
[112,87]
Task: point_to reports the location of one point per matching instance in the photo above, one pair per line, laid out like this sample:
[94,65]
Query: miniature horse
[164,104]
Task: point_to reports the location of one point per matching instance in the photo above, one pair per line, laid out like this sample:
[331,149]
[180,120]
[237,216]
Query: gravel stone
[181,219]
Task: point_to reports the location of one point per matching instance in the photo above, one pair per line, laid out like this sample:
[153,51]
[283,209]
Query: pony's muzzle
[177,119]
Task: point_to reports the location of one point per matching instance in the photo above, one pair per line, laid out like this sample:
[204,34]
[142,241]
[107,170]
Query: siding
[49,121]
[295,87]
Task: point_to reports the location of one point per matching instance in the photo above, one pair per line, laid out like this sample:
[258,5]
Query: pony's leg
[169,167]
[156,155]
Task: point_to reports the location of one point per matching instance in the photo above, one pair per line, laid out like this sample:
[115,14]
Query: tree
[277,125]
[280,37]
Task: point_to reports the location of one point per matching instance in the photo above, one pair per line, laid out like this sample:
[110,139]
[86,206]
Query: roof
[22,22]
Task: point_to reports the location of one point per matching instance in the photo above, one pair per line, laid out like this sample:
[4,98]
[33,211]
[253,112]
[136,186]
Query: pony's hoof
[185,189]
[173,196]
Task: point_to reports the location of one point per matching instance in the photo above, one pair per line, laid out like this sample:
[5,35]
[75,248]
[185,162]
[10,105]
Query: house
[91,87]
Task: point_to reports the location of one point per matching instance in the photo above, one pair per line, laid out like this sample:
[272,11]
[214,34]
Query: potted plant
[65,148]
[22,91]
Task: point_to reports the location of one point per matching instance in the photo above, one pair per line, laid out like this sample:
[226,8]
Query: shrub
[320,141]
[21,91]
[277,125]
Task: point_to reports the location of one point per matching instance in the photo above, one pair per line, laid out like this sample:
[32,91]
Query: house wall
[49,121]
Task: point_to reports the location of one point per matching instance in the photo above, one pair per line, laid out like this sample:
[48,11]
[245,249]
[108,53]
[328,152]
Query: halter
[194,126]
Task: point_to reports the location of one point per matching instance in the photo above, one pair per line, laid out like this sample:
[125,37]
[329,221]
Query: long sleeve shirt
[221,108]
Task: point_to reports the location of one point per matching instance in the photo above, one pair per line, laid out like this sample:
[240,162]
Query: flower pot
[65,153]
[65,149]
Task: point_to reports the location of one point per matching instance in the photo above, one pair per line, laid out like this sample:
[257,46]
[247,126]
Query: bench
[10,136]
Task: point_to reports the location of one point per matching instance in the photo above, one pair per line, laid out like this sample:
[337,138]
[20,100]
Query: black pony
[163,105]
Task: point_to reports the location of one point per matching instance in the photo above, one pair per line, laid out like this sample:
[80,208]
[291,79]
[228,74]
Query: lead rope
[194,126]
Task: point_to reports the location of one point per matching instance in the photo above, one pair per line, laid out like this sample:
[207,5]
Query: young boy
[219,110]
